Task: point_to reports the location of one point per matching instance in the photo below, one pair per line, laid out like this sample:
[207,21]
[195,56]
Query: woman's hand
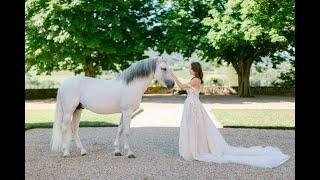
[182,86]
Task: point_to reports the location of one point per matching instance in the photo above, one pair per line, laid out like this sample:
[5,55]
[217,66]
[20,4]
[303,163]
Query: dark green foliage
[239,32]
[87,35]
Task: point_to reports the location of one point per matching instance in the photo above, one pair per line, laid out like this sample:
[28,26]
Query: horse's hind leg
[75,129]
[116,142]
[127,114]
[66,133]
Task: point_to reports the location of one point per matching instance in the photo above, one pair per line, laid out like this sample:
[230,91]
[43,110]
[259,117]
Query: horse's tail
[56,140]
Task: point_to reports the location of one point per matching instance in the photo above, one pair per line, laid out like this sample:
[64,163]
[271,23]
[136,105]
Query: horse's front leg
[119,133]
[127,114]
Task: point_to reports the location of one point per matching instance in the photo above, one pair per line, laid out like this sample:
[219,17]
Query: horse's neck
[143,83]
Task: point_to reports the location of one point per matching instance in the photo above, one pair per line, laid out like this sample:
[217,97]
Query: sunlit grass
[44,118]
[255,117]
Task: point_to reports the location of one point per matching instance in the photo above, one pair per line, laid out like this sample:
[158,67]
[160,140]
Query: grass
[44,119]
[256,118]
[232,118]
[82,124]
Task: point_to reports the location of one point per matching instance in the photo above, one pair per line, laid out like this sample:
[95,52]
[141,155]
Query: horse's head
[162,75]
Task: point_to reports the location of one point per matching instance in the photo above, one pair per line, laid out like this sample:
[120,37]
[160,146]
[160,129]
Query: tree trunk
[90,71]
[243,71]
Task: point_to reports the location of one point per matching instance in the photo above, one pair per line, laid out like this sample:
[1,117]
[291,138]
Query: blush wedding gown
[201,140]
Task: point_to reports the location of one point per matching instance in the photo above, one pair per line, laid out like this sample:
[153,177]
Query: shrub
[216,82]
[286,79]
[255,83]
[155,83]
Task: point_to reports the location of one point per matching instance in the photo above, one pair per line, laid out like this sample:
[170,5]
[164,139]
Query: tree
[86,35]
[239,32]
[286,79]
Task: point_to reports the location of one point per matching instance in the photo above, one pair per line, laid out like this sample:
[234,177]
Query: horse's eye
[163,69]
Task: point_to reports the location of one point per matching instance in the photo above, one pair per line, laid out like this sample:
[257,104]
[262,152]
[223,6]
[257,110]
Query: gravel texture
[156,149]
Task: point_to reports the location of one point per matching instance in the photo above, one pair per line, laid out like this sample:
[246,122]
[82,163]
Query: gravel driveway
[156,149]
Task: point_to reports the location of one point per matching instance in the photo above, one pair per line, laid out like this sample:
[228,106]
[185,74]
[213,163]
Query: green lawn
[247,118]
[44,118]
[258,118]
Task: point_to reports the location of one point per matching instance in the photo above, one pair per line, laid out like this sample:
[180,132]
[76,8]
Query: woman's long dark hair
[196,67]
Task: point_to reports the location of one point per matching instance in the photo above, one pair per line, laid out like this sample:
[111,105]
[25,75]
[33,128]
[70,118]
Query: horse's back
[72,81]
[100,96]
[78,81]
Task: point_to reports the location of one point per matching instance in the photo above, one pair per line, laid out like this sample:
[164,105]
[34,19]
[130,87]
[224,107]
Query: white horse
[120,95]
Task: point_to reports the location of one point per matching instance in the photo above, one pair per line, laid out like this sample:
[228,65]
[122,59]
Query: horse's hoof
[83,152]
[117,154]
[131,156]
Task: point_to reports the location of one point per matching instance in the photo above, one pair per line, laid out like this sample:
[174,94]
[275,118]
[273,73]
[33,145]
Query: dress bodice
[192,92]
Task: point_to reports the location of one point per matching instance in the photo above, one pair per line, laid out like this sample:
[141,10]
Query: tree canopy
[87,35]
[91,36]
[239,32]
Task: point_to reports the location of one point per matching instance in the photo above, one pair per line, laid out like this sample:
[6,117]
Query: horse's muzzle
[169,84]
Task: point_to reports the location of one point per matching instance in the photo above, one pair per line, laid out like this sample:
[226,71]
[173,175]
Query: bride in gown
[200,139]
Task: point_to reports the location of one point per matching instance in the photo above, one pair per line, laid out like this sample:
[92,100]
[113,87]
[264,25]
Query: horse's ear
[160,59]
[163,59]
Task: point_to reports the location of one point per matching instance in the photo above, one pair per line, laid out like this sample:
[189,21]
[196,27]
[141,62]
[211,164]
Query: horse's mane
[139,69]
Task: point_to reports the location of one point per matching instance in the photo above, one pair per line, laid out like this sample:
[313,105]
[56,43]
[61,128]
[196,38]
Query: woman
[200,139]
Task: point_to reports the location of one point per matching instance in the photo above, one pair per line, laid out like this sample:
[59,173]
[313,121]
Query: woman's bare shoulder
[195,82]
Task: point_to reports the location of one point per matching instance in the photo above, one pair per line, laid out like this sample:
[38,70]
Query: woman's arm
[182,86]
